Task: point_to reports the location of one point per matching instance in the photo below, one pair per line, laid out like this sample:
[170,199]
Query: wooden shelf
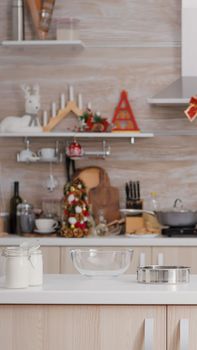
[73,45]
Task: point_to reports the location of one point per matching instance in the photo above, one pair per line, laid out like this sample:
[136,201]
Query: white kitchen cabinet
[181,327]
[82,327]
[186,256]
[85,327]
[142,255]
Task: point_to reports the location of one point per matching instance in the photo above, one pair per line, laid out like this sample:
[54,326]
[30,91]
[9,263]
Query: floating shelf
[81,135]
[75,45]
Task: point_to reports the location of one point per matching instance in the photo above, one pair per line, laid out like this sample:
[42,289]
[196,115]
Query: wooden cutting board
[92,176]
[105,197]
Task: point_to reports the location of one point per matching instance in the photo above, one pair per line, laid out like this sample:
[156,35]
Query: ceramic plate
[147,235]
[44,232]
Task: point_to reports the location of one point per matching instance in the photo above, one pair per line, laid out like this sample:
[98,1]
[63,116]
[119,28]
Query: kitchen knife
[131,191]
[127,191]
[134,190]
[138,190]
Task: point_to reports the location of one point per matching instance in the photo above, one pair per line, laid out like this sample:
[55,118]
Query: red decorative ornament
[94,122]
[124,119]
[191,111]
[74,150]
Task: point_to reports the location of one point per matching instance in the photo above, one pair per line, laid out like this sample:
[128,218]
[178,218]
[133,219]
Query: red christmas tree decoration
[191,111]
[124,119]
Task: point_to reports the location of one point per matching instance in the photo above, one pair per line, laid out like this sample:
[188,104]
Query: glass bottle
[151,222]
[14,201]
[101,228]
[46,16]
[154,202]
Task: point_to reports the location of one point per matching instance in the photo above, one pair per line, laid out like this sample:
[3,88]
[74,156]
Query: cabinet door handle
[184,334]
[142,259]
[148,334]
[160,259]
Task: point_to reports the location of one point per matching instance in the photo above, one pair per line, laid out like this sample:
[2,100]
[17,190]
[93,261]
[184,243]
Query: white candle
[89,105]
[45,118]
[71,93]
[80,101]
[53,109]
[62,101]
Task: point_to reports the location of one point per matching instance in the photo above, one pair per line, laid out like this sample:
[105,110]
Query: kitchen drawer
[186,256]
[82,327]
[140,253]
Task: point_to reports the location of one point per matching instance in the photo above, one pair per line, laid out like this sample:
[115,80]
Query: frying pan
[175,217]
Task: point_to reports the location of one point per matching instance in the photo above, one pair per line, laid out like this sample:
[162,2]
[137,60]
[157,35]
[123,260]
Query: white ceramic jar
[16,267]
[35,268]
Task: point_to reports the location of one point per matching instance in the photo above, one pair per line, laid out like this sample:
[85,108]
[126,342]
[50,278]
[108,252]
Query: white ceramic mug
[46,153]
[46,225]
[26,154]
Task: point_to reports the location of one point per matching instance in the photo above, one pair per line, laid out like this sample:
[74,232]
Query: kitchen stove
[180,231]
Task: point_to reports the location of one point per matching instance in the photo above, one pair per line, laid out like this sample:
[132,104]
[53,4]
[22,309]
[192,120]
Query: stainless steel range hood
[180,91]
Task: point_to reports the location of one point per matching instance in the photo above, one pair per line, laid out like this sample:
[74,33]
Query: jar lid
[15,251]
[36,252]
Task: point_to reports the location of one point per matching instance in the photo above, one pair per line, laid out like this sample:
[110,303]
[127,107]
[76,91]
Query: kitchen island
[80,313]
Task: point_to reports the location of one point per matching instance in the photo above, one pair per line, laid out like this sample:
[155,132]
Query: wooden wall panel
[163,164]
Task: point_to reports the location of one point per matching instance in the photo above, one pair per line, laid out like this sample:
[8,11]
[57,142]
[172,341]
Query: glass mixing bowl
[95,262]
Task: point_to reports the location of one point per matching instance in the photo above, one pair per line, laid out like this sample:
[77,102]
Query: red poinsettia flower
[86,213]
[83,226]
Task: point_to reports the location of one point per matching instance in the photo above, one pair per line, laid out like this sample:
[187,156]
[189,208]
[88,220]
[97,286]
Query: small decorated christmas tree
[76,218]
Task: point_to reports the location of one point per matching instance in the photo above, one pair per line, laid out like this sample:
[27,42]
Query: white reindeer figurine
[29,121]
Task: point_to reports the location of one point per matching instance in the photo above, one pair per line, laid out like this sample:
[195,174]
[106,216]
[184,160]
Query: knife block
[134,204]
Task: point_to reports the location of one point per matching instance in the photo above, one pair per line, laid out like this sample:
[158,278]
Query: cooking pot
[177,216]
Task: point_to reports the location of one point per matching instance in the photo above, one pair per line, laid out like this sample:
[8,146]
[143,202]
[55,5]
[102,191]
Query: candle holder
[71,106]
